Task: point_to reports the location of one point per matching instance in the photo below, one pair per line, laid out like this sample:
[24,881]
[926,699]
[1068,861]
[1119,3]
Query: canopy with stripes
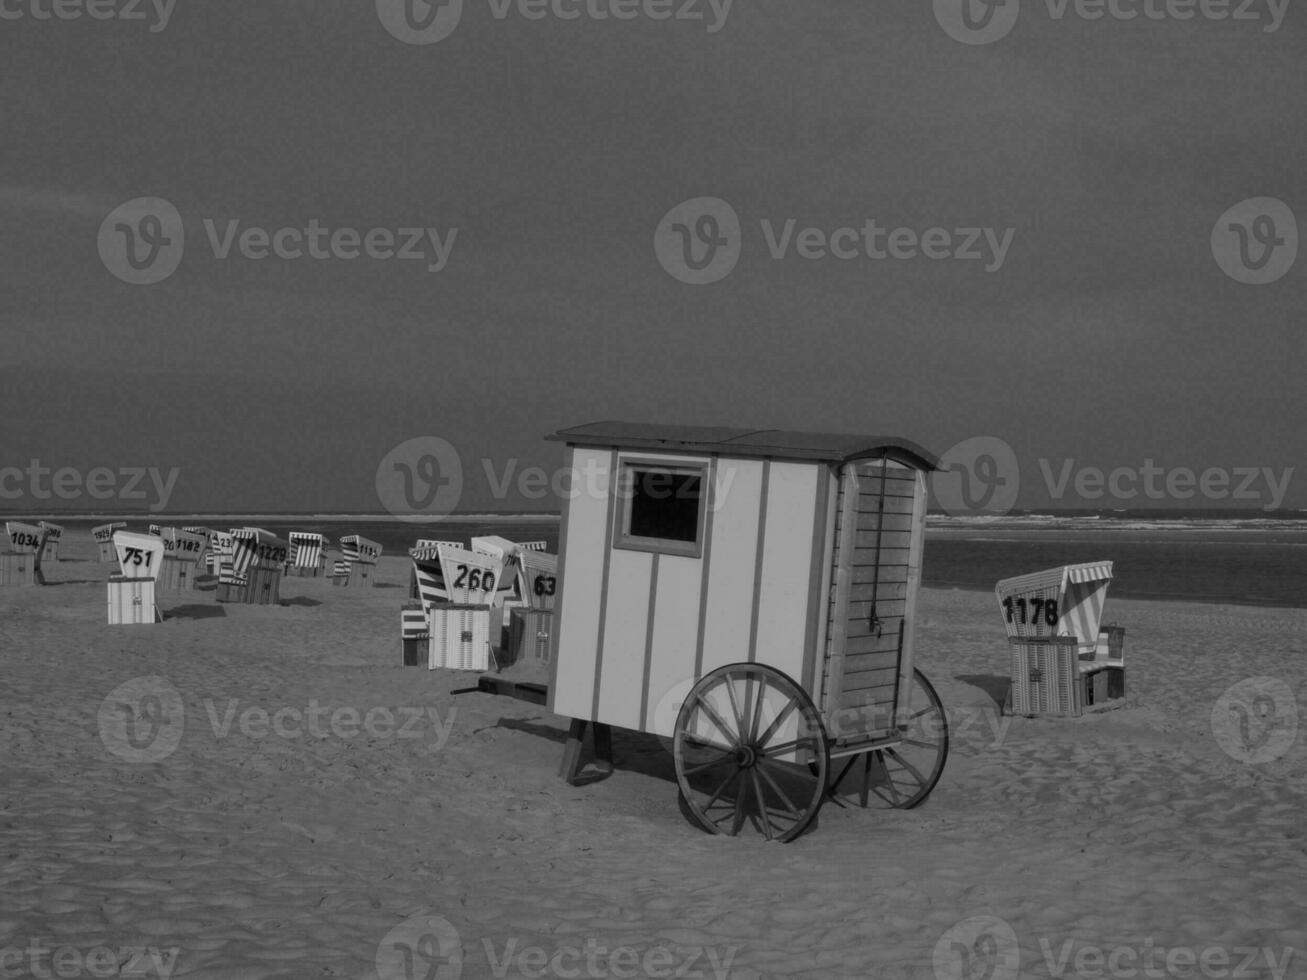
[1064,601]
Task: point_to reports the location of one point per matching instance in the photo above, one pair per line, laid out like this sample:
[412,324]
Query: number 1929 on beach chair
[751,596]
[103,537]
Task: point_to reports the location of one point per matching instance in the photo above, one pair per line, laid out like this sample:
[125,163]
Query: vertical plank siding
[797,558]
[881,530]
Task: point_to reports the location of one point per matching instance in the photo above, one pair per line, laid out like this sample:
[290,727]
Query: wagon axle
[745,756]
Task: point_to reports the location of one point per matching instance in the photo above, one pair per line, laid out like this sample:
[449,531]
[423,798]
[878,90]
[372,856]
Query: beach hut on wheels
[750,595]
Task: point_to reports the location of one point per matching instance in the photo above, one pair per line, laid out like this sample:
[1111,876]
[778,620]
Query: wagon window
[661,508]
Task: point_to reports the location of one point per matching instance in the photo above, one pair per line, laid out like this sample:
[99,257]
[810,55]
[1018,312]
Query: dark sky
[1108,334]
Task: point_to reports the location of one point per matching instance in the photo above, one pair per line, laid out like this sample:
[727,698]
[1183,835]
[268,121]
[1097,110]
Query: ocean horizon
[1142,518]
[1248,559]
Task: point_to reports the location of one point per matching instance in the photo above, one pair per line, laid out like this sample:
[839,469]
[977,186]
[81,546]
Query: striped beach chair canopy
[426,557]
[306,549]
[244,542]
[221,547]
[413,621]
[53,531]
[427,543]
[533,545]
[256,547]
[1064,601]
[355,547]
[428,579]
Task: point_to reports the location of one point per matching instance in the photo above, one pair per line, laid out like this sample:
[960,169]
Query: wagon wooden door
[880,522]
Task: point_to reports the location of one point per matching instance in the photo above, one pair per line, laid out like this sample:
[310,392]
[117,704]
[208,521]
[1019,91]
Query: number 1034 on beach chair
[751,596]
[21,554]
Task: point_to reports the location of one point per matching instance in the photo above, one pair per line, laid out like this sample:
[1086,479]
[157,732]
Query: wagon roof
[772,443]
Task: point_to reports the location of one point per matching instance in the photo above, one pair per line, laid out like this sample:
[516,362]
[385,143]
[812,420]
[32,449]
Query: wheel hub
[745,756]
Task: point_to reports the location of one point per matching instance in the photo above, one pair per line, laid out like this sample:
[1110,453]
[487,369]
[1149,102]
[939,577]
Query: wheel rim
[750,749]
[903,775]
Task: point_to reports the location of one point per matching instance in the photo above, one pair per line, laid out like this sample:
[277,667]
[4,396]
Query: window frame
[624,499]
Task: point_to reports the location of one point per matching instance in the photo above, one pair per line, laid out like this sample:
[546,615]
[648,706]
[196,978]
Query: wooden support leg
[603,742]
[832,790]
[572,751]
[603,736]
[866,779]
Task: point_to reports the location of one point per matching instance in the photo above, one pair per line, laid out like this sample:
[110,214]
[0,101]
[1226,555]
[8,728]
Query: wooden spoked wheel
[904,774]
[750,748]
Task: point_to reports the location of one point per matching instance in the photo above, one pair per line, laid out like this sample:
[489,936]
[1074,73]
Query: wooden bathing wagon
[749,595]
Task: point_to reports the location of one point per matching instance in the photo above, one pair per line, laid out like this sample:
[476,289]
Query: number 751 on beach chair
[131,593]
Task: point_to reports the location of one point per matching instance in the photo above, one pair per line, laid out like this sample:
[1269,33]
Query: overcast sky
[1098,322]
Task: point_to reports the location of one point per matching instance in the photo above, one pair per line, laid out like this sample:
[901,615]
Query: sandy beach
[297,804]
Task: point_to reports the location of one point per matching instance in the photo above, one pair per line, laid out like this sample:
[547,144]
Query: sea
[1209,557]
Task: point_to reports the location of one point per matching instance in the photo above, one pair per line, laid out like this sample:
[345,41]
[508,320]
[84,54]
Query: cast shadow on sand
[638,752]
[195,611]
[995,685]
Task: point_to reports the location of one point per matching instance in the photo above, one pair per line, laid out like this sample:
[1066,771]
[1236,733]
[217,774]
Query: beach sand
[343,849]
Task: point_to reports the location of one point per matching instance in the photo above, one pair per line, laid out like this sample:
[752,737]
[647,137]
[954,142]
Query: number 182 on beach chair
[1062,661]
